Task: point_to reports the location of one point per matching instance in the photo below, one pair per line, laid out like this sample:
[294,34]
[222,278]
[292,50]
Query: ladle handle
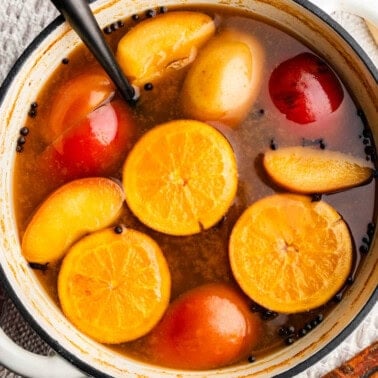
[79,15]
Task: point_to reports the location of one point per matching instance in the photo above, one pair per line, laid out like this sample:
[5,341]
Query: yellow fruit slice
[168,41]
[226,90]
[307,170]
[75,209]
[181,177]
[290,254]
[113,286]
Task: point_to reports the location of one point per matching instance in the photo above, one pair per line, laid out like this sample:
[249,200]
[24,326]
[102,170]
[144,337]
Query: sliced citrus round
[307,170]
[181,177]
[114,285]
[290,254]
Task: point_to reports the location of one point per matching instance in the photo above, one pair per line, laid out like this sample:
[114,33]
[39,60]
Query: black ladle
[79,15]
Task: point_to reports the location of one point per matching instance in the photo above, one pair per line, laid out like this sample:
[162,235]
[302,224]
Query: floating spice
[32,113]
[362,115]
[21,140]
[286,331]
[289,340]
[251,358]
[150,13]
[268,315]
[338,297]
[107,29]
[314,142]
[273,145]
[316,197]
[118,229]
[148,86]
[37,266]
[302,332]
[24,131]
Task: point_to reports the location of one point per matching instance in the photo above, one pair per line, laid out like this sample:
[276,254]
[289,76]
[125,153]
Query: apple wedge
[224,80]
[307,170]
[167,41]
[75,209]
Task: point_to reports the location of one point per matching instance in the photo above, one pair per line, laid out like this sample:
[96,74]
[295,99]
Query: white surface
[20,23]
[363,8]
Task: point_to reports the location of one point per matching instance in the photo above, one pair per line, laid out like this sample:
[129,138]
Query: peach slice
[307,170]
[168,41]
[224,80]
[75,209]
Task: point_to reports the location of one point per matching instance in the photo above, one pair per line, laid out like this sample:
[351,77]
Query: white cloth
[20,22]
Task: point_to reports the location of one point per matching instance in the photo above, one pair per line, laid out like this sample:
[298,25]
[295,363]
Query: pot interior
[29,78]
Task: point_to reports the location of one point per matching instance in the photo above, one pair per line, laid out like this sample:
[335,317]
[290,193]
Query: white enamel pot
[78,355]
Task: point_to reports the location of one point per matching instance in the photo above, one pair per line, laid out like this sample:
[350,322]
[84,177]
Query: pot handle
[367,9]
[33,365]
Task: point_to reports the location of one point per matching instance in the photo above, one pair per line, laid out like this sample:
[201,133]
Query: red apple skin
[94,146]
[305,89]
[207,327]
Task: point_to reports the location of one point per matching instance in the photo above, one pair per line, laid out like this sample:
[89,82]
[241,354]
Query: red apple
[94,146]
[207,327]
[305,89]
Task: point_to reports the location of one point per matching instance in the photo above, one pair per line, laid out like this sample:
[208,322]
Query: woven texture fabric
[20,23]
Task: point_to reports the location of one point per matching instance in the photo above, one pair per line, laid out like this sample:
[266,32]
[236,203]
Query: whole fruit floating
[305,89]
[206,327]
[76,98]
[95,145]
[226,90]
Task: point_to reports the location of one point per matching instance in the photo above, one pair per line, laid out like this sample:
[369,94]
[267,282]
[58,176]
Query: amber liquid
[203,258]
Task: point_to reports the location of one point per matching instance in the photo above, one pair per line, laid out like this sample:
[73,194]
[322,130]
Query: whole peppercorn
[251,358]
[319,318]
[21,140]
[273,145]
[118,229]
[107,29]
[24,131]
[302,332]
[289,340]
[150,13]
[32,113]
[148,86]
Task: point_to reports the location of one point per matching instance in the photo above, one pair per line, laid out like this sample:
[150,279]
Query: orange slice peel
[290,254]
[180,177]
[114,287]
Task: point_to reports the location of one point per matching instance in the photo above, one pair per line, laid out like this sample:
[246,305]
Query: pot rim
[54,344]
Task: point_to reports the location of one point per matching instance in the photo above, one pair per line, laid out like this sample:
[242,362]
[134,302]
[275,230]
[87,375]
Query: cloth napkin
[20,23]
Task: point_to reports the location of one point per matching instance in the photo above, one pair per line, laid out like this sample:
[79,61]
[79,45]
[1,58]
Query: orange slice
[114,285]
[290,254]
[307,170]
[181,177]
